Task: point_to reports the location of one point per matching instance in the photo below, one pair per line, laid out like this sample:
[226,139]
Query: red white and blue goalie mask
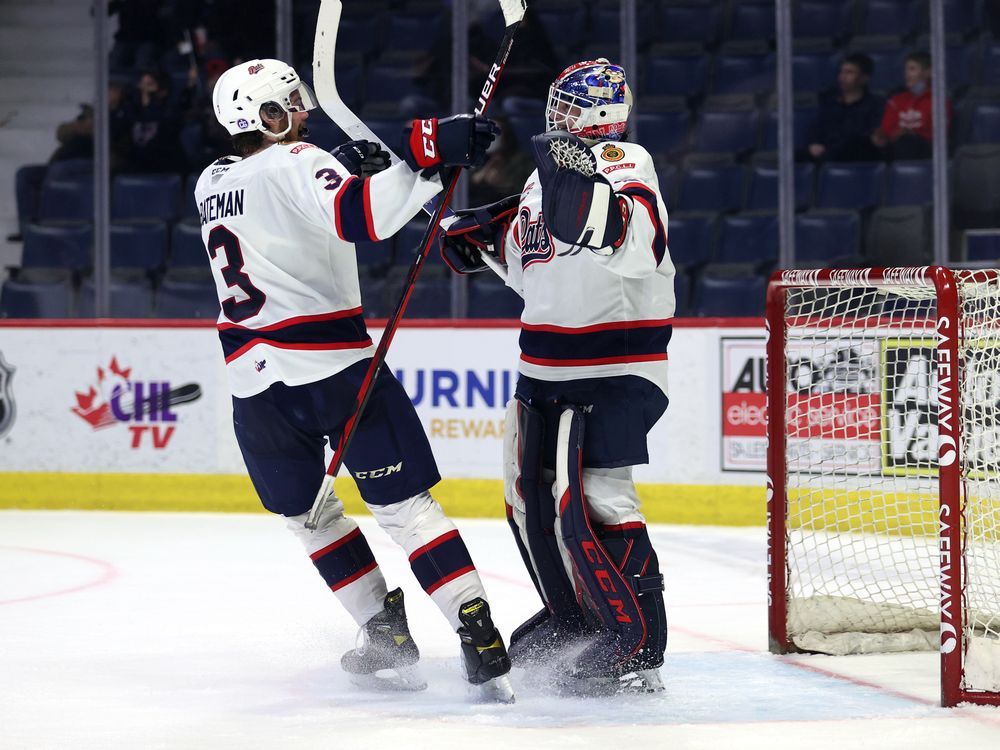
[591,100]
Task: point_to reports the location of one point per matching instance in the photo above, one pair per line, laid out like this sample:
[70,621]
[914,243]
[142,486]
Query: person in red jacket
[906,128]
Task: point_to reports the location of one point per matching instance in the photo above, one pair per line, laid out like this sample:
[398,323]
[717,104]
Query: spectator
[907,128]
[848,115]
[154,127]
[76,141]
[506,169]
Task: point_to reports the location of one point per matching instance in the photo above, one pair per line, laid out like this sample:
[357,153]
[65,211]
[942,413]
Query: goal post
[883,480]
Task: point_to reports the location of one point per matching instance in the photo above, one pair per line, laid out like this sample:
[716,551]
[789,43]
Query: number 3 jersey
[280,228]
[587,315]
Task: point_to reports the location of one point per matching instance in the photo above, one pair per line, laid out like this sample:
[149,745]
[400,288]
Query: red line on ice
[108,574]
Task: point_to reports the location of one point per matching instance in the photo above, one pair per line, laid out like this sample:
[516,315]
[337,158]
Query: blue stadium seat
[720,291]
[36,300]
[564,27]
[762,192]
[682,292]
[373,296]
[888,68]
[187,250]
[70,169]
[982,122]
[431,297]
[814,71]
[729,132]
[523,105]
[359,34]
[751,21]
[605,24]
[962,60]
[888,16]
[525,126]
[982,244]
[803,120]
[677,75]
[691,237]
[664,132]
[989,70]
[825,235]
[189,208]
[690,23]
[743,73]
[67,199]
[67,245]
[411,32]
[187,299]
[385,84]
[711,188]
[749,238]
[960,17]
[849,185]
[389,130]
[909,183]
[326,134]
[152,196]
[138,244]
[128,299]
[375,253]
[489,297]
[822,18]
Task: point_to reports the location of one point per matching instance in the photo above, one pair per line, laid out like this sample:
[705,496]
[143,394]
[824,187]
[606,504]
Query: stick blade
[513,10]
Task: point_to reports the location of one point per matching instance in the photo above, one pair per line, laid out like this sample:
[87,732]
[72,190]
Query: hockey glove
[579,204]
[477,231]
[459,141]
[362,158]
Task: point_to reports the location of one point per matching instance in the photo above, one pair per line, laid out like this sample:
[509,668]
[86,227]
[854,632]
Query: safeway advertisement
[744,404]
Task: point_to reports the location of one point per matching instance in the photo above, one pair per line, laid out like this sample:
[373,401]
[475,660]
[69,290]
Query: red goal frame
[951,560]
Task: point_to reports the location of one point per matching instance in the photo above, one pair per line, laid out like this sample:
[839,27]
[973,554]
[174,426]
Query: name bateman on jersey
[221,206]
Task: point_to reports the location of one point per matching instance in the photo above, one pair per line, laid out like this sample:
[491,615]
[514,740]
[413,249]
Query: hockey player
[585,245]
[280,222]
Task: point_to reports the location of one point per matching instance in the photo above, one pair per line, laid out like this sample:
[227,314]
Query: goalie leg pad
[600,585]
[534,494]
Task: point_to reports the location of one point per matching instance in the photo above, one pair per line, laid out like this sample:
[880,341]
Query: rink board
[88,424]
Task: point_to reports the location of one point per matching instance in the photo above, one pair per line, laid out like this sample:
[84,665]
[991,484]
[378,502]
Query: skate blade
[497,690]
[641,681]
[401,679]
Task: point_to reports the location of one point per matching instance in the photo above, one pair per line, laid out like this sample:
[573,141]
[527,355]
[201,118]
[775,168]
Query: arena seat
[67,199]
[128,299]
[186,247]
[65,245]
[909,183]
[739,72]
[849,185]
[36,299]
[138,244]
[749,237]
[664,132]
[183,298]
[750,21]
[696,22]
[490,297]
[692,237]
[899,236]
[726,131]
[725,290]
[876,16]
[827,234]
[718,188]
[823,18]
[762,191]
[814,71]
[145,196]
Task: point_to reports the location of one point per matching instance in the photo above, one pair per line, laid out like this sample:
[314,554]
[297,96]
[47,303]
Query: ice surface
[147,630]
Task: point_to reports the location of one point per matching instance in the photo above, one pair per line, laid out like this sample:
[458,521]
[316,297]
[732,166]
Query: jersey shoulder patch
[298,148]
[616,159]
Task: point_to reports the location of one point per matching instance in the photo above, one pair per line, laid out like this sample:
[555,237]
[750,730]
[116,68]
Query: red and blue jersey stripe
[441,561]
[343,329]
[601,344]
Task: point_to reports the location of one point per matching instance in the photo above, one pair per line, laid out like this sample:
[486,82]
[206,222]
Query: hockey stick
[333,105]
[325,83]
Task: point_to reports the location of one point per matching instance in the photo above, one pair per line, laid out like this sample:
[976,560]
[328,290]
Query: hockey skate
[486,661]
[385,646]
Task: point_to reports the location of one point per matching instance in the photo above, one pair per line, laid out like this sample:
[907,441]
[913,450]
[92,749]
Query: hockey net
[884,467]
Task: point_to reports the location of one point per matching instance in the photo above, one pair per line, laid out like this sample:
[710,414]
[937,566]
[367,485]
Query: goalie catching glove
[579,204]
[459,141]
[476,231]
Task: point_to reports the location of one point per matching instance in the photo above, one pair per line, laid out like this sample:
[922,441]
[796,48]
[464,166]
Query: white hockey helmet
[242,90]
[591,100]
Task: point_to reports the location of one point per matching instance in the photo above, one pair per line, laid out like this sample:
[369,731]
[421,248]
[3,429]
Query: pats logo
[532,238]
[612,152]
[7,407]
[143,405]
[302,147]
[254,69]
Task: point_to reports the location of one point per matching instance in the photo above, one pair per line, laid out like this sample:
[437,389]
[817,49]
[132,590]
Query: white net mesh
[861,443]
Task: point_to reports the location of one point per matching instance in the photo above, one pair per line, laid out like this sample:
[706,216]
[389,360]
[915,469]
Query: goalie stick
[324,52]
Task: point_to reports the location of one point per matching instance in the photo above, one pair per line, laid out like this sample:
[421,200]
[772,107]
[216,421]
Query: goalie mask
[243,90]
[591,100]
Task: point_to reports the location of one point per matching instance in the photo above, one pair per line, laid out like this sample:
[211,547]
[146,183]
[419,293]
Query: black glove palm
[362,158]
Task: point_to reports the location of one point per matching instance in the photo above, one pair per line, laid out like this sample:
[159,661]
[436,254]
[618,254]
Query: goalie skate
[386,656]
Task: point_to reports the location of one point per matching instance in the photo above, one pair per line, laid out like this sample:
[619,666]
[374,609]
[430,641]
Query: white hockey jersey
[280,228]
[587,315]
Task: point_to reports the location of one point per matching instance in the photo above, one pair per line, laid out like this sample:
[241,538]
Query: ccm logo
[379,473]
[427,129]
